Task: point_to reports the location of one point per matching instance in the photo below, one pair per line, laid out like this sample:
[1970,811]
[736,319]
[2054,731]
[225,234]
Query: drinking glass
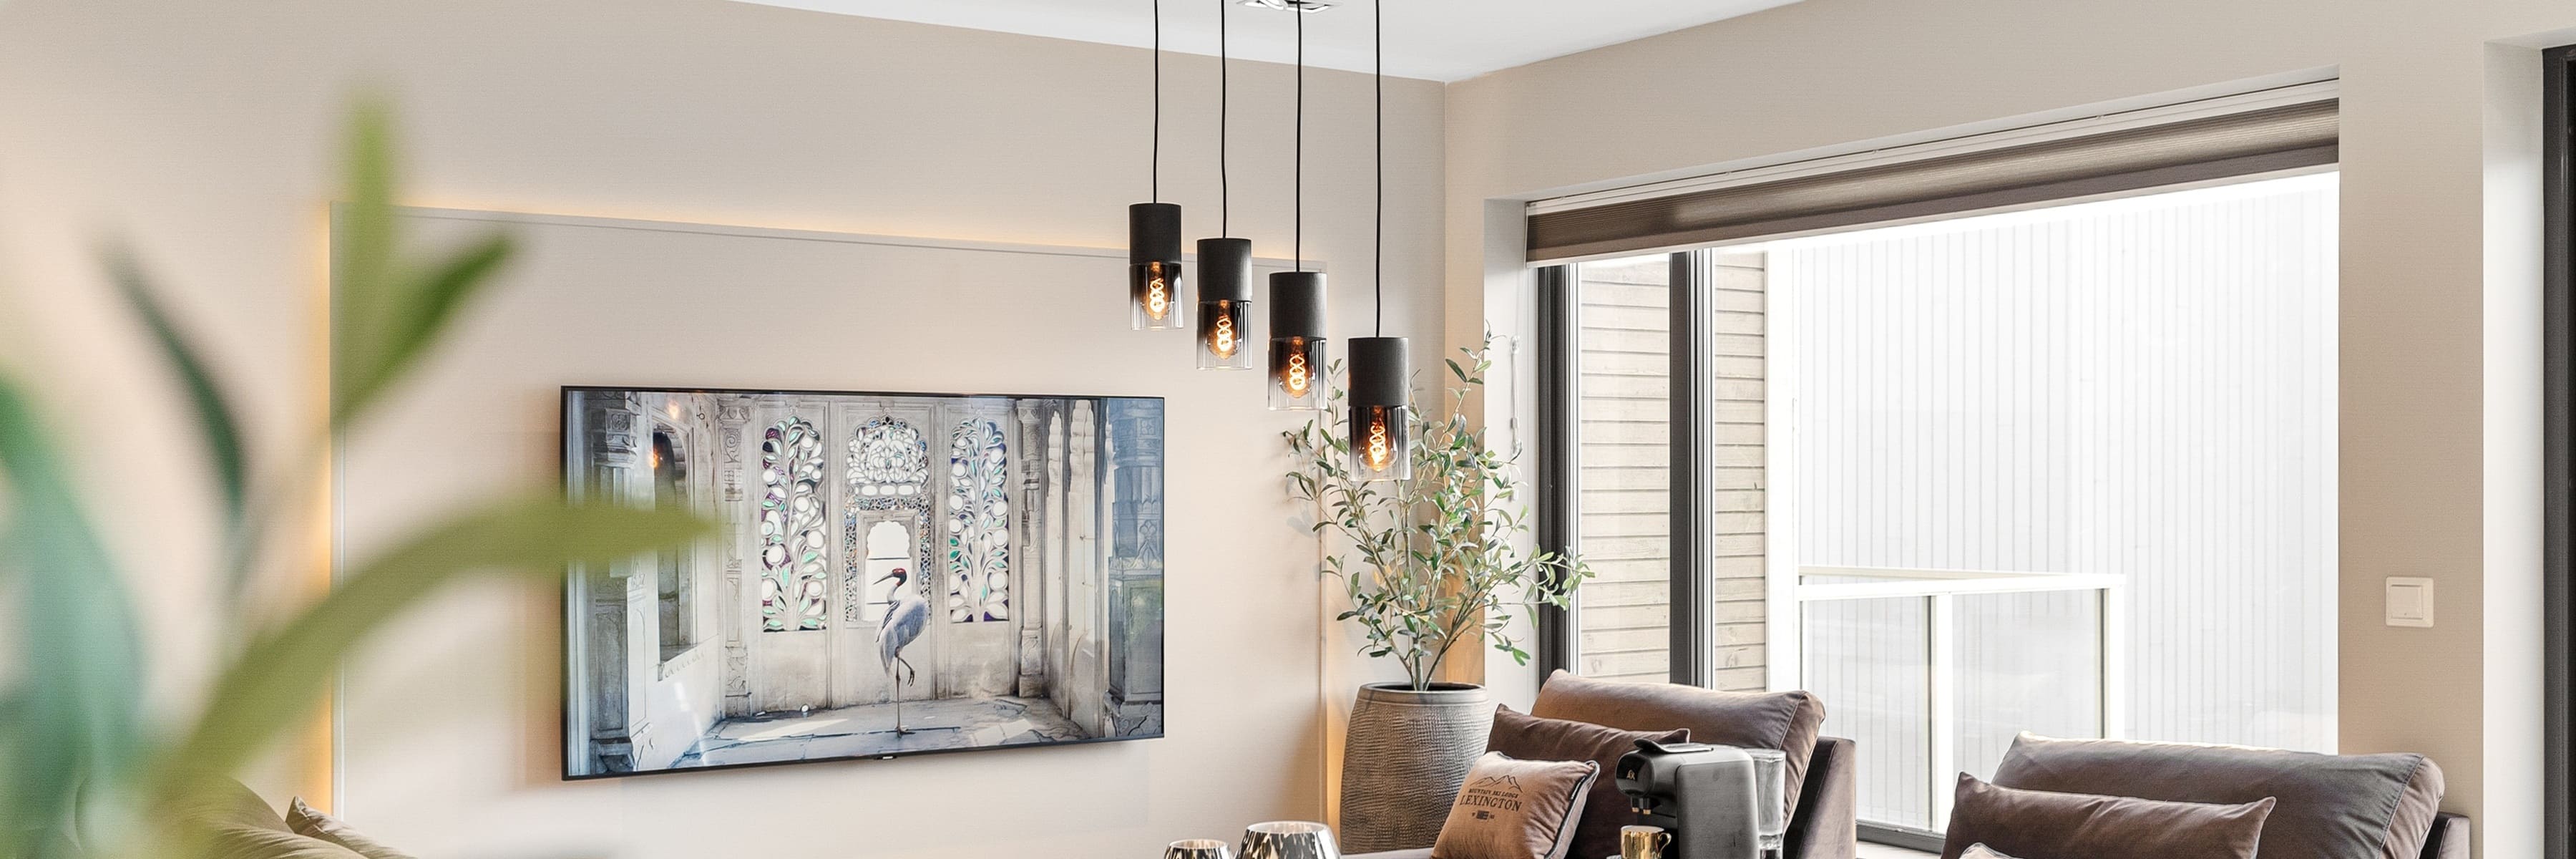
[1771,799]
[1199,848]
[1289,839]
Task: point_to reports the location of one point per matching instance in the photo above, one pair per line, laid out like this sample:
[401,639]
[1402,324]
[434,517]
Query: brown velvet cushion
[236,841]
[1531,738]
[2045,825]
[2360,806]
[1787,721]
[314,824]
[1513,809]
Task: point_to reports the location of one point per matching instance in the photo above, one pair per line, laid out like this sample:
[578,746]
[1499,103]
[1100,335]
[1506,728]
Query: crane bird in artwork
[907,614]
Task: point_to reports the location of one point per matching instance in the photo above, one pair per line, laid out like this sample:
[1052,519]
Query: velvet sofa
[2376,806]
[1823,821]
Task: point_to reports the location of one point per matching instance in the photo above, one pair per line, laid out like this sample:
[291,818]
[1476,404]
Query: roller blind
[2196,149]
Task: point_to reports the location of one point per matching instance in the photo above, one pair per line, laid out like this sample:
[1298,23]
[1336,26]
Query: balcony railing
[1934,671]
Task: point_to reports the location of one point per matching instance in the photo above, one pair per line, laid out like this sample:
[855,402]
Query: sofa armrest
[1827,825]
[2449,838]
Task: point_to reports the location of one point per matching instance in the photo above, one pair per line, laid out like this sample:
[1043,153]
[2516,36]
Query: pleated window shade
[2197,149]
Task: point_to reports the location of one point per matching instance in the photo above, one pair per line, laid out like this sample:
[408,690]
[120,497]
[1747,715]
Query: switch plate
[2410,602]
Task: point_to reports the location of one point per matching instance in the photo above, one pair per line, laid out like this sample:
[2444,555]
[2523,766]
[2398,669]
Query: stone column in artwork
[1029,593]
[736,604]
[614,598]
[1082,633]
[1082,549]
[1135,564]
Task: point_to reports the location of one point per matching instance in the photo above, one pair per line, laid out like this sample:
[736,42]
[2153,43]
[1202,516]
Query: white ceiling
[1443,40]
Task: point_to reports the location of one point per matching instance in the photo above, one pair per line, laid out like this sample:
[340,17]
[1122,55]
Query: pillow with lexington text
[1515,809]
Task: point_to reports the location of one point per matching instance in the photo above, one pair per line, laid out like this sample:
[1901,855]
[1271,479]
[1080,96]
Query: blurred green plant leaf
[362,253]
[75,712]
[283,673]
[430,299]
[216,425]
[387,312]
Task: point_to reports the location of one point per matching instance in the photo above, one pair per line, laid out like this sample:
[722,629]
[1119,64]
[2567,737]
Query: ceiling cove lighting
[1154,230]
[1297,357]
[1225,264]
[1381,371]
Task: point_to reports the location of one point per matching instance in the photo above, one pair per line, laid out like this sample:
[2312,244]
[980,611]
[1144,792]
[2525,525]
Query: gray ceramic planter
[1402,763]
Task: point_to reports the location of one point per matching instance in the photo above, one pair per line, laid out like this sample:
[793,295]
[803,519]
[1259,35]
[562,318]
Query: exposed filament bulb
[1222,340]
[1158,294]
[1380,449]
[1299,376]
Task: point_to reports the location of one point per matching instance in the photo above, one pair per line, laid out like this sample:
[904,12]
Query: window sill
[678,659]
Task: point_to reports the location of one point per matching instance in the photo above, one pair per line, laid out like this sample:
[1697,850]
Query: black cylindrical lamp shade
[1381,445]
[1225,304]
[1298,381]
[1154,266]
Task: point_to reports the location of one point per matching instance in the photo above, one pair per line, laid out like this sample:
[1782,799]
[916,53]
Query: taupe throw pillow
[314,824]
[2045,825]
[1531,738]
[1513,809]
[238,841]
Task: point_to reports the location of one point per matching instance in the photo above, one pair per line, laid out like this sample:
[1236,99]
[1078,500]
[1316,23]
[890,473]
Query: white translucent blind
[2142,387]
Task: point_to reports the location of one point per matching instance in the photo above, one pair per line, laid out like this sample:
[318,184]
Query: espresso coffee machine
[1703,794]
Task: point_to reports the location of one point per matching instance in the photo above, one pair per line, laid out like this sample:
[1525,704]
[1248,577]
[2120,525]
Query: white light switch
[2410,602]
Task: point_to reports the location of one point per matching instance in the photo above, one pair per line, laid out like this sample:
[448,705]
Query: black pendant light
[1381,371]
[1154,230]
[1225,264]
[1297,297]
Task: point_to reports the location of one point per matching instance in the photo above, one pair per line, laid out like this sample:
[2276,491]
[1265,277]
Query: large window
[1624,494]
[1624,501]
[2068,470]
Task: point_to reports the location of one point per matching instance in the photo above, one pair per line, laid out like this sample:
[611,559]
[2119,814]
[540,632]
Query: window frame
[2559,240]
[1559,339]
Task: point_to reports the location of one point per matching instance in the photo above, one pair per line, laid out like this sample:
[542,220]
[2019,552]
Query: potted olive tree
[1430,566]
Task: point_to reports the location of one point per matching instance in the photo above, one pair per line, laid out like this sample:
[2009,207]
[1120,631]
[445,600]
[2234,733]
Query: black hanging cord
[1157,170]
[1224,99]
[1378,8]
[1299,194]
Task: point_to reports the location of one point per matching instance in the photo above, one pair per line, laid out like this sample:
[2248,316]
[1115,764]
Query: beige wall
[205,131]
[1827,72]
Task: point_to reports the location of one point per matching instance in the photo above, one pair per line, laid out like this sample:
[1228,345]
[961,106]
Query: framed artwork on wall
[892,574]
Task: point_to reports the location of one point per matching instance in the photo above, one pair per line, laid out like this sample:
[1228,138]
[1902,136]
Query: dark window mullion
[2559,89]
[1689,476]
[1559,326]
